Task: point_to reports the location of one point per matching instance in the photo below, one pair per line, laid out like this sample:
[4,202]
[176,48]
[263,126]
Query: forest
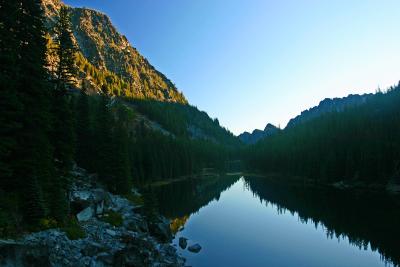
[360,143]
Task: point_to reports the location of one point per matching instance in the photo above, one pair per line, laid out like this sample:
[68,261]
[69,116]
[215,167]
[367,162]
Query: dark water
[254,222]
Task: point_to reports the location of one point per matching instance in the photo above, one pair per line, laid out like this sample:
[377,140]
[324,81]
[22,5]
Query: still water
[244,222]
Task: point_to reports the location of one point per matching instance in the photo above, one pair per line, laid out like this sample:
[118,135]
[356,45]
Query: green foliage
[65,71]
[47,223]
[84,131]
[121,164]
[65,51]
[113,218]
[361,143]
[134,198]
[186,121]
[10,218]
[74,230]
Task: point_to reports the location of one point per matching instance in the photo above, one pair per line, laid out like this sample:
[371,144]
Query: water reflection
[255,222]
[191,194]
[366,219]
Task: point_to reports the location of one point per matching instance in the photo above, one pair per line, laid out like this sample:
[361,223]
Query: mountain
[329,105]
[109,64]
[107,61]
[256,135]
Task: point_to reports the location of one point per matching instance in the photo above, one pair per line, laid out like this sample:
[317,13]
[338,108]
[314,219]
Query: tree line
[359,144]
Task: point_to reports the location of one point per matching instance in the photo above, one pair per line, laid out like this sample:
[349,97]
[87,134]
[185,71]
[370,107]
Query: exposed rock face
[329,105]
[256,135]
[131,244]
[106,49]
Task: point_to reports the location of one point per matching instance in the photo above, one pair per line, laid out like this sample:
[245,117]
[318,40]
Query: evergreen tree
[104,147]
[84,151]
[65,50]
[33,165]
[121,169]
[63,134]
[10,106]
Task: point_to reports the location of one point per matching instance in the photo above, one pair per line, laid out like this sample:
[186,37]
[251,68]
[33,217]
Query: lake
[249,221]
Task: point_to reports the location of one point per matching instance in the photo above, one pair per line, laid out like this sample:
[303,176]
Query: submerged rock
[194,248]
[183,242]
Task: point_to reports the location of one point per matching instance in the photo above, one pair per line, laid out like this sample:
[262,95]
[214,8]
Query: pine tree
[84,152]
[10,106]
[121,169]
[66,50]
[63,134]
[104,146]
[33,158]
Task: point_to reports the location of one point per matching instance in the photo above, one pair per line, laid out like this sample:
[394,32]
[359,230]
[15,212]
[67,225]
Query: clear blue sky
[249,62]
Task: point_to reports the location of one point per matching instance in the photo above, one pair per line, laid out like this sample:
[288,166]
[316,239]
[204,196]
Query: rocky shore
[130,241]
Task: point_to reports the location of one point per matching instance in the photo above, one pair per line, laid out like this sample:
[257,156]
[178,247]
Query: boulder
[99,208]
[86,214]
[136,223]
[183,242]
[162,231]
[194,248]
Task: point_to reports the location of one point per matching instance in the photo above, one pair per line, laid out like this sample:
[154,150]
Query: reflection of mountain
[363,218]
[186,197]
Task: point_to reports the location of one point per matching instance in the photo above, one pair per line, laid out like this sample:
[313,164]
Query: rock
[194,248]
[105,257]
[85,215]
[183,242]
[91,249]
[131,244]
[100,208]
[111,232]
[162,231]
[136,223]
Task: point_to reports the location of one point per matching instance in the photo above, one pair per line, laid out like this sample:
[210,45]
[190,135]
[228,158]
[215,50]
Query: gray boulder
[194,248]
[86,214]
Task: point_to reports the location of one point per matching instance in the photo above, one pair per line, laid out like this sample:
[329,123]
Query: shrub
[113,218]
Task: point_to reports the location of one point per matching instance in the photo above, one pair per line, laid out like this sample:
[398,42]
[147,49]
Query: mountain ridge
[256,135]
[337,104]
[327,105]
[107,61]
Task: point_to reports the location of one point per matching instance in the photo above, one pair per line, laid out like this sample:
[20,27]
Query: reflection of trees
[183,198]
[362,218]
[177,223]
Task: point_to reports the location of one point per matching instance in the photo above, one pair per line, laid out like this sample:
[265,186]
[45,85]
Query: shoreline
[110,230]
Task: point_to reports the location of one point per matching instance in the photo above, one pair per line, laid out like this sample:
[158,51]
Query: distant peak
[269,127]
[256,135]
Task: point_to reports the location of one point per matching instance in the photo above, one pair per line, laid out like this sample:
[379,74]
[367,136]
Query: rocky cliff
[329,105]
[106,59]
[256,135]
